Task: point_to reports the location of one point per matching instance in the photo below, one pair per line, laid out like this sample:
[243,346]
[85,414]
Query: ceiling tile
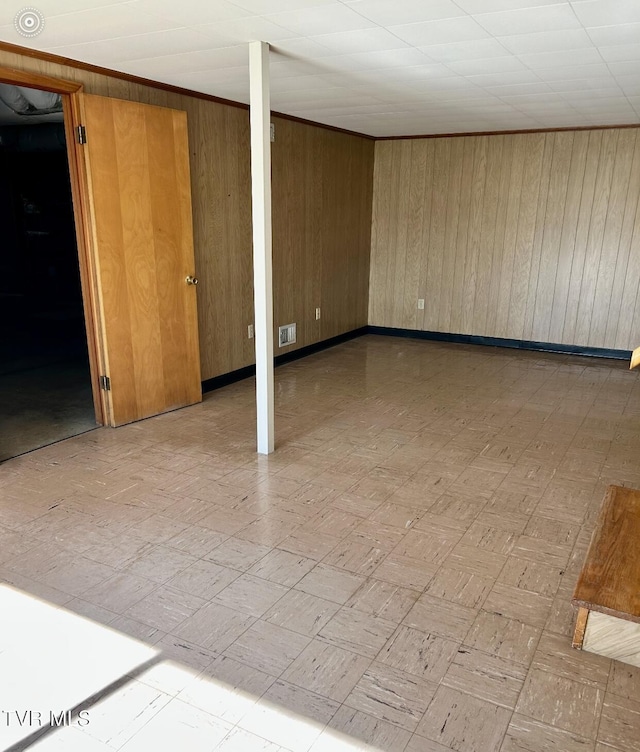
[461,29]
[620,53]
[488,6]
[361,40]
[528,20]
[325,19]
[50,8]
[460,51]
[546,41]
[550,108]
[591,95]
[109,22]
[250,28]
[189,62]
[262,7]
[511,89]
[561,58]
[186,14]
[492,65]
[388,13]
[567,72]
[298,67]
[300,83]
[136,47]
[630,85]
[606,12]
[517,100]
[624,68]
[619,34]
[394,59]
[301,47]
[502,79]
[585,84]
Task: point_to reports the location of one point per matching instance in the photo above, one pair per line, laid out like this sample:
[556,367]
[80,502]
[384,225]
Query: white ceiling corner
[381,67]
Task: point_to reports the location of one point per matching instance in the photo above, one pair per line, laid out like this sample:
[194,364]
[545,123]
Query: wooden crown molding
[511,132]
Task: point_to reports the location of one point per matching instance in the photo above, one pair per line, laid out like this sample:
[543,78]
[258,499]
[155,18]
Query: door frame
[72,114]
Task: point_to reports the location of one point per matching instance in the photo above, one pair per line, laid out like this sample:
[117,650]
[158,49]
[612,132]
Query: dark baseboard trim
[217,382]
[518,344]
[244,373]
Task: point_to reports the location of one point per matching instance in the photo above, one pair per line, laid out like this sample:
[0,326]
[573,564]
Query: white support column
[260,109]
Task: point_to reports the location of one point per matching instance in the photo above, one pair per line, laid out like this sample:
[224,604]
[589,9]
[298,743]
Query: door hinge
[81,134]
[105,383]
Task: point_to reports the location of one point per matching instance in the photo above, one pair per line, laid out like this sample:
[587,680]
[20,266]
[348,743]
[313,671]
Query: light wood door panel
[138,174]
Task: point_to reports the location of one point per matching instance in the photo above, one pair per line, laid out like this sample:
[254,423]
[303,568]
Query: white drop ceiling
[381,67]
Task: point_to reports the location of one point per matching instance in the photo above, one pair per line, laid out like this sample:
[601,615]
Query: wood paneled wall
[524,236]
[322,191]
[322,185]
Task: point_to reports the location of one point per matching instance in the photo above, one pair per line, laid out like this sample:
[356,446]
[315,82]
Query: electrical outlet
[250,331]
[317,314]
[421,304]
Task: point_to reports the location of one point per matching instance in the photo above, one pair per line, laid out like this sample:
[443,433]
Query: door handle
[191,280]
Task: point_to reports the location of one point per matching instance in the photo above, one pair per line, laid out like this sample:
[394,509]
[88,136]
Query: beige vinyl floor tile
[349,726]
[531,576]
[358,632]
[489,538]
[528,735]
[620,724]
[405,572]
[301,612]
[516,603]
[214,626]
[624,680]
[353,556]
[238,554]
[464,723]
[120,592]
[267,647]
[425,655]
[420,744]
[204,579]
[486,677]
[288,714]
[555,654]
[165,608]
[392,695]
[384,599]
[330,583]
[441,617]
[568,704]
[396,576]
[377,534]
[250,595]
[327,670]
[506,638]
[227,689]
[461,587]
[282,567]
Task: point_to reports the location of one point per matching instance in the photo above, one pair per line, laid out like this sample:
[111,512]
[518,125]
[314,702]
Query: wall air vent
[286,335]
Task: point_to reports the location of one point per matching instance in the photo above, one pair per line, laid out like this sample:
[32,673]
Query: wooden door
[137,164]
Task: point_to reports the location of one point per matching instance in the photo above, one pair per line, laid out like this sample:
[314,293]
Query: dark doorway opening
[45,382]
